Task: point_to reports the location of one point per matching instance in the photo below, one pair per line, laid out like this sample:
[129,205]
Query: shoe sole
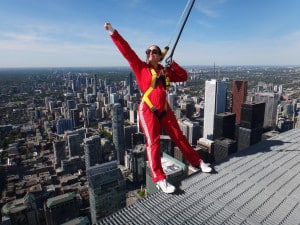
[206,171]
[167,192]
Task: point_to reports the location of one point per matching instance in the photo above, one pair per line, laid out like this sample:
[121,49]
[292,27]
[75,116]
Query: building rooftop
[51,202]
[18,205]
[258,185]
[171,165]
[78,221]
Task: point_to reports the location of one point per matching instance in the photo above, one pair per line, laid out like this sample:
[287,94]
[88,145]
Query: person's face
[153,54]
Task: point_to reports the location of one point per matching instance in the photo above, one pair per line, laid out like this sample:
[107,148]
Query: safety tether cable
[178,22]
[169,59]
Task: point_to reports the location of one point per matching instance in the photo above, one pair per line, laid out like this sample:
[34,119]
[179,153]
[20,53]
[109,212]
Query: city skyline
[225,32]
[65,153]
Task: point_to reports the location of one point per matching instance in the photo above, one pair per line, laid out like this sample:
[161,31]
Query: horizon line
[128,67]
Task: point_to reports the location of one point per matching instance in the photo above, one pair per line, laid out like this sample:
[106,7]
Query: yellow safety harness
[155,80]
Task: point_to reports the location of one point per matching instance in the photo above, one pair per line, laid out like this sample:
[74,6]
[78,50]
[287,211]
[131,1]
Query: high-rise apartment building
[191,130]
[271,100]
[135,161]
[92,150]
[128,132]
[59,152]
[107,189]
[114,98]
[172,100]
[72,165]
[63,125]
[75,117]
[118,131]
[167,145]
[74,144]
[71,104]
[108,150]
[132,105]
[188,107]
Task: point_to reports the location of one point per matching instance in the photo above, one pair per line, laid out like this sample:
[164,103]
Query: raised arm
[129,54]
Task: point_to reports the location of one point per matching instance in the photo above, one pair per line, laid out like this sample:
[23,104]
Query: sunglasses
[154,51]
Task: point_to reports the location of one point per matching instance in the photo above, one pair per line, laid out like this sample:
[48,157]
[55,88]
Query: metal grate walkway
[259,185]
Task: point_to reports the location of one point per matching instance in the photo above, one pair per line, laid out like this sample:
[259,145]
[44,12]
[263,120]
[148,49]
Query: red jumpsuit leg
[170,125]
[151,128]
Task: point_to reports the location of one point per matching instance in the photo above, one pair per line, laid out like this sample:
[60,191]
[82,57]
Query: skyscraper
[94,85]
[135,161]
[74,142]
[251,126]
[172,100]
[221,95]
[191,130]
[64,124]
[92,150]
[215,102]
[59,152]
[107,190]
[118,131]
[113,98]
[130,85]
[239,94]
[61,208]
[188,107]
[252,114]
[128,132]
[271,100]
[108,150]
[21,211]
[71,104]
[75,117]
[224,125]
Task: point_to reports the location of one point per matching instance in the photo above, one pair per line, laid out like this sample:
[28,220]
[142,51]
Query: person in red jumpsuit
[152,121]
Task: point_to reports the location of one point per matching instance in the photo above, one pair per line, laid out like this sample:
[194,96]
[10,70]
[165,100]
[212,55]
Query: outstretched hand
[107,26]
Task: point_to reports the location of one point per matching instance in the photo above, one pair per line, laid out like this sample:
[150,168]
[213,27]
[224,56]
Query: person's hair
[159,51]
[158,48]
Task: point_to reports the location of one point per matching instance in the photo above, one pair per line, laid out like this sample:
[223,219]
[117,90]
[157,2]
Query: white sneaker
[205,168]
[165,186]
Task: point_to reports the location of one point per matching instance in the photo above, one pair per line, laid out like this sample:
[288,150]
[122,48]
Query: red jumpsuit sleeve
[129,54]
[176,73]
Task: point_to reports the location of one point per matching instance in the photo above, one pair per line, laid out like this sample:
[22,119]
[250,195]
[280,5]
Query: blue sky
[59,33]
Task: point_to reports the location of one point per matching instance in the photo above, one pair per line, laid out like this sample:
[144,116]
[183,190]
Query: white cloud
[205,23]
[237,53]
[40,47]
[293,37]
[209,8]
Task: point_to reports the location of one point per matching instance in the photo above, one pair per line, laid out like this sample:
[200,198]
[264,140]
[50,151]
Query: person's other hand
[107,26]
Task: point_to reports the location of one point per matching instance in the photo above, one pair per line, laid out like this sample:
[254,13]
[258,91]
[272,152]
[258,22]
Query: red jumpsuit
[149,121]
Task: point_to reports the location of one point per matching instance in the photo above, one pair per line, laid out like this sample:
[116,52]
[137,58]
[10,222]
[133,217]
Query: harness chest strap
[149,90]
